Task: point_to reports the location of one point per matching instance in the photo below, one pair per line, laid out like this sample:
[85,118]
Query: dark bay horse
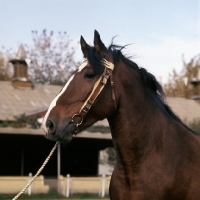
[158,157]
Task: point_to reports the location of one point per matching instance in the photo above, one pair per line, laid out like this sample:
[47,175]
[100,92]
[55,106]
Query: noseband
[98,87]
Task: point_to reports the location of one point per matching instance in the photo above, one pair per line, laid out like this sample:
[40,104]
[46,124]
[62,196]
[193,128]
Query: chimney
[20,77]
[196,86]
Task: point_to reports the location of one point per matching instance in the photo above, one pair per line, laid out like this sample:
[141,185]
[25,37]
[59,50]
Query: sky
[160,31]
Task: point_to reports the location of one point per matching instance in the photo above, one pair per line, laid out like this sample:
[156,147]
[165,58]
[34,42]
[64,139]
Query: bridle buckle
[105,77]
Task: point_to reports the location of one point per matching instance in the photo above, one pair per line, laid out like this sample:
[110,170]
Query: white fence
[66,186]
[12,185]
[71,185]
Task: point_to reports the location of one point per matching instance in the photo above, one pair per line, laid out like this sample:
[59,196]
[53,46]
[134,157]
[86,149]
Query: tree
[108,156]
[5,65]
[195,125]
[178,84]
[52,58]
[111,156]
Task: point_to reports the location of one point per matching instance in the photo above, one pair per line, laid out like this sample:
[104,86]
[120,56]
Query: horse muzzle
[64,133]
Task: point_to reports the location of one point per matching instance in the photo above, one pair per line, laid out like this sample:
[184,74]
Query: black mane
[152,86]
[95,59]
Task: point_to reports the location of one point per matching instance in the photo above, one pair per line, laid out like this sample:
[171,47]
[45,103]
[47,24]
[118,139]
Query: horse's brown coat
[158,157]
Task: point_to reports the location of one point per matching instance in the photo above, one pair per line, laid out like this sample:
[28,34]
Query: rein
[98,87]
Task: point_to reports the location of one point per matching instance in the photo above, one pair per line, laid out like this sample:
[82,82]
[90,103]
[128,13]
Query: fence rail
[66,186]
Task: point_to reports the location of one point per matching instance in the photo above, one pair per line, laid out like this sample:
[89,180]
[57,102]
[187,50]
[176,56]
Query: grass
[52,195]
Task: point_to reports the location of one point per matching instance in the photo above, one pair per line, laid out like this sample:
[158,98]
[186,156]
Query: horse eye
[89,75]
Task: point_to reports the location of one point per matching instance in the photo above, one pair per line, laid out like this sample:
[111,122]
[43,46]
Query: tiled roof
[187,109]
[17,101]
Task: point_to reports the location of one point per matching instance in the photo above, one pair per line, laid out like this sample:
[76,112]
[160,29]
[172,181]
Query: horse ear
[84,46]
[99,45]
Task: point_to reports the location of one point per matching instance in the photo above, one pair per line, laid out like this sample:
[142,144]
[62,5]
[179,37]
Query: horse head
[87,96]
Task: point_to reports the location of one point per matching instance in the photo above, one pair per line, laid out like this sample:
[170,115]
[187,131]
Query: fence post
[67,185]
[103,184]
[29,188]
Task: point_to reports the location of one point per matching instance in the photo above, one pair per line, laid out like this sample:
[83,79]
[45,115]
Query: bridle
[97,88]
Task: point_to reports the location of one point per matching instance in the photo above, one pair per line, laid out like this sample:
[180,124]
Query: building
[23,147]
[196,85]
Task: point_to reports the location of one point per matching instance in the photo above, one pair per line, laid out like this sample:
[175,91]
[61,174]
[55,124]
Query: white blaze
[53,103]
[85,62]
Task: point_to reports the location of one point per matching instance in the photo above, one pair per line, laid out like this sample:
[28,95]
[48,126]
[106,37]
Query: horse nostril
[51,126]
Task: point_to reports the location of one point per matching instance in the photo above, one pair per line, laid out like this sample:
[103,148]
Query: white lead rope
[38,172]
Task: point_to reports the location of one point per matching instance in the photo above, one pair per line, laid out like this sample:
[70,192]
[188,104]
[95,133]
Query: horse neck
[134,125]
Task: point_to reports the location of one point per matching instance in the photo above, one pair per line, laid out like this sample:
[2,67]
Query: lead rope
[38,172]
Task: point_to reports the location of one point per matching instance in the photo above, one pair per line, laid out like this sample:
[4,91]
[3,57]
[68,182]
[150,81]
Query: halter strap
[98,87]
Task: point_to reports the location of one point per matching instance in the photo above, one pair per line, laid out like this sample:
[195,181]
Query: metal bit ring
[77,115]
